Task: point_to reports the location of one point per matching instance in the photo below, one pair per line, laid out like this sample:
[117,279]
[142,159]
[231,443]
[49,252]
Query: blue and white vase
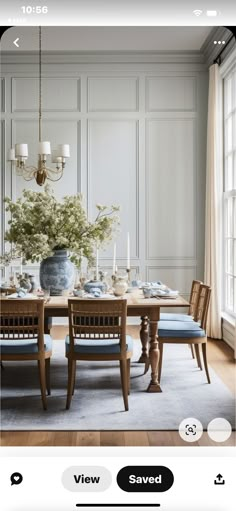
[57,273]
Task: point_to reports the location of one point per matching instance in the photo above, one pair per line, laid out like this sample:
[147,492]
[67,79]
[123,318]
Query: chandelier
[19,154]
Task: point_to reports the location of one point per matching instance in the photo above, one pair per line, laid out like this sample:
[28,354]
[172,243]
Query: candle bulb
[114,259]
[128,251]
[6,274]
[21,150]
[44,148]
[97,264]
[11,154]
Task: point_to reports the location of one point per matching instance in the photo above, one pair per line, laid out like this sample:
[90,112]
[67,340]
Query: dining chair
[176,316]
[22,337]
[182,332]
[193,300]
[97,332]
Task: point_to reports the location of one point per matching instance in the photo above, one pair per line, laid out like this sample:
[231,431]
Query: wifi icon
[197,12]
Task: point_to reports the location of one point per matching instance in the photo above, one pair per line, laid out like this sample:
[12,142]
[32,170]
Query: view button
[145,479]
[86,479]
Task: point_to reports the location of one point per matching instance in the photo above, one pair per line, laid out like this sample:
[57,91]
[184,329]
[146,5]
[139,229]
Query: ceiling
[108,38]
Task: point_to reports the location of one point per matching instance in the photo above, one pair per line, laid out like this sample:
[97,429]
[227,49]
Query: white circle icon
[190,429]
[219,429]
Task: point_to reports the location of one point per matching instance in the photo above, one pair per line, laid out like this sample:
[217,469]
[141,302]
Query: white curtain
[214,183]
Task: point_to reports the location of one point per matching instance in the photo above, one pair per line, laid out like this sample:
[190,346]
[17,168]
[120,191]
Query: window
[229,273]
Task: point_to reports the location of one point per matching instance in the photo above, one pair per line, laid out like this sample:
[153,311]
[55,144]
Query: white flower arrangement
[40,224]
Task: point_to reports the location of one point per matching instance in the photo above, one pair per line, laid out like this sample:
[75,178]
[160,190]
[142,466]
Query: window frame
[229,69]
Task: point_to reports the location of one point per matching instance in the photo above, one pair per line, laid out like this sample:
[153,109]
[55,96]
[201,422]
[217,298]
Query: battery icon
[212,13]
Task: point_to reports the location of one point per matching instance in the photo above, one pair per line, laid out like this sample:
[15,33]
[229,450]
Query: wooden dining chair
[22,337]
[176,316]
[182,332]
[97,332]
[193,301]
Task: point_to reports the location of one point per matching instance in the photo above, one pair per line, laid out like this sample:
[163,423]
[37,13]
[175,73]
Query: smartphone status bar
[118,13]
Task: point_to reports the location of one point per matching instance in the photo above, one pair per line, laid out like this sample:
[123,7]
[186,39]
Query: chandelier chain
[40,84]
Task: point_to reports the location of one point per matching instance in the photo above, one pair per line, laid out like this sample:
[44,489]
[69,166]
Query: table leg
[154,385]
[144,337]
[47,325]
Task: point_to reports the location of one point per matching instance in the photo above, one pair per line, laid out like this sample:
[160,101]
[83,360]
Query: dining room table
[148,309]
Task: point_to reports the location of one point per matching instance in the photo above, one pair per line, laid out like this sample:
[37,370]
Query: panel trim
[3,95]
[194,192]
[147,98]
[173,267]
[127,78]
[14,109]
[89,122]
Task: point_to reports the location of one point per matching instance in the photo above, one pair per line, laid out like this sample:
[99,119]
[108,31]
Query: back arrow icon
[16,42]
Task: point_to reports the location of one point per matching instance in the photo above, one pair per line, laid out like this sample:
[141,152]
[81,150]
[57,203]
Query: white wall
[136,125]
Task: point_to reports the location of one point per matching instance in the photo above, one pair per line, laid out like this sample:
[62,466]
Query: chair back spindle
[203,305]
[194,295]
[22,319]
[97,320]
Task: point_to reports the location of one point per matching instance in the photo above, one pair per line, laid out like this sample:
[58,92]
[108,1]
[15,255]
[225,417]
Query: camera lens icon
[190,429]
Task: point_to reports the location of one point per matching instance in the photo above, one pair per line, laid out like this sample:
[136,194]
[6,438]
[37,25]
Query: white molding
[194,58]
[114,78]
[124,120]
[182,268]
[211,50]
[228,65]
[14,108]
[3,95]
[194,191]
[170,110]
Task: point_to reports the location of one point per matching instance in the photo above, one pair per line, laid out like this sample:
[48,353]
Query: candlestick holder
[128,270]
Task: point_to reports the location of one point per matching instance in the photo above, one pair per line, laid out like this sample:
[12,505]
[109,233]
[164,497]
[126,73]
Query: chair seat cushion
[23,346]
[180,329]
[102,347]
[174,316]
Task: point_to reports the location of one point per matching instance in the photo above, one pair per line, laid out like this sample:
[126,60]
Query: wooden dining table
[148,309]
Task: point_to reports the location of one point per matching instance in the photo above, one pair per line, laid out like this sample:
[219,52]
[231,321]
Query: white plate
[103,296]
[15,295]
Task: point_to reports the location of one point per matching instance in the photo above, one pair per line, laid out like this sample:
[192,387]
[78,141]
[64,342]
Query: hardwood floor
[220,358]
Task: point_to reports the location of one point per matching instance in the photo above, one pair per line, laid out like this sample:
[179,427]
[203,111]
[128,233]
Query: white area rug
[97,403]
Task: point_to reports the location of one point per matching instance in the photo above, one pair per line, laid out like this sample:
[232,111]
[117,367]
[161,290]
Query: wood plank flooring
[220,357]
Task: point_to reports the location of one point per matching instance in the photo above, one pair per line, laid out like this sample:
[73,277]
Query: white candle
[21,150]
[6,274]
[3,274]
[21,268]
[44,148]
[128,252]
[64,150]
[114,259]
[97,264]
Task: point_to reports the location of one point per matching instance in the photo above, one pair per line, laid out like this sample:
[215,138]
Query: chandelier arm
[54,171]
[54,179]
[29,173]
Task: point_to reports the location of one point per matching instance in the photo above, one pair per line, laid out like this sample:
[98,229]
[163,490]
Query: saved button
[145,479]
